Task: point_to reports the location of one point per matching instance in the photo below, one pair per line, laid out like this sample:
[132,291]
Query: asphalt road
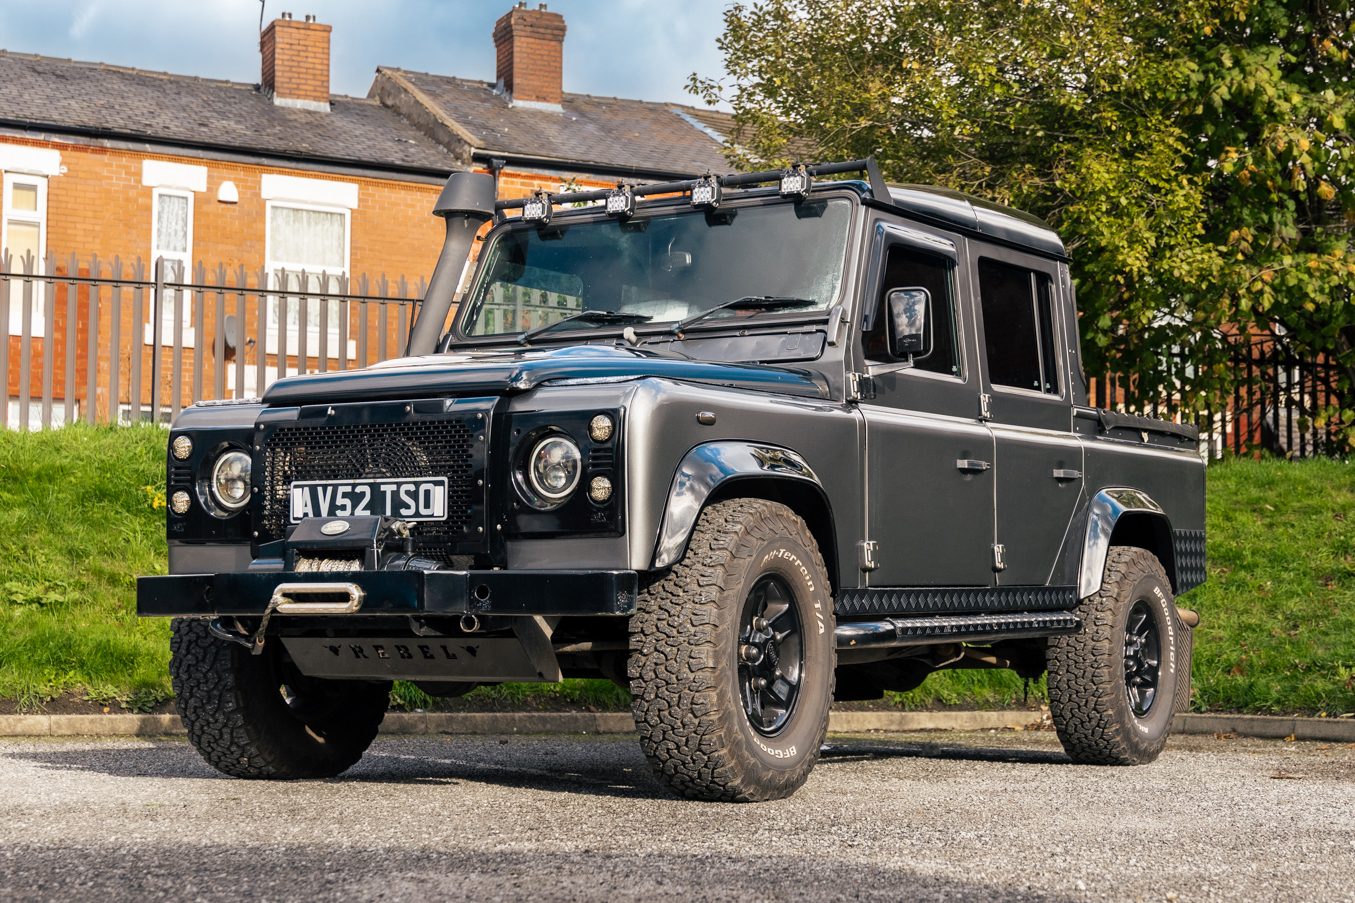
[992,816]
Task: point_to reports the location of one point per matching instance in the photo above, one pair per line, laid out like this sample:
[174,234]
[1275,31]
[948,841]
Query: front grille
[447,448]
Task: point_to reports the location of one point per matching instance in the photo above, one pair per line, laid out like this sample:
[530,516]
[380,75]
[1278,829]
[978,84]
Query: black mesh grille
[372,451]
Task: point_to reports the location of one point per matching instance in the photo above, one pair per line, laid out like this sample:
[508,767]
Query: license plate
[417,499]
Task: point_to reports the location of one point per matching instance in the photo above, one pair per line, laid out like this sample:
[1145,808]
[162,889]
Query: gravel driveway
[990,816]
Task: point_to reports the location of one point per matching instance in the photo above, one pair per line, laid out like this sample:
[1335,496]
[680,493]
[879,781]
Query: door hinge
[999,557]
[860,387]
[985,406]
[866,552]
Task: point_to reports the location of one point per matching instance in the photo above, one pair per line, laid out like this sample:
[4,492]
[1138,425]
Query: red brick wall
[296,60]
[529,53]
[98,206]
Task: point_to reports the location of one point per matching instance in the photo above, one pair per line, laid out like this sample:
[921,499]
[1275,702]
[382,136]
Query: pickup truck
[744,444]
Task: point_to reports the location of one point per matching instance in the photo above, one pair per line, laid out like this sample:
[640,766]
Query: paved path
[989,816]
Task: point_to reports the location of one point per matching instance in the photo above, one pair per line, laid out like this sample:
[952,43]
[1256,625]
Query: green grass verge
[82,514]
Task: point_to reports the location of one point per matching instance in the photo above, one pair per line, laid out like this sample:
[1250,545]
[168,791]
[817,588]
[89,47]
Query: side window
[906,268]
[1018,327]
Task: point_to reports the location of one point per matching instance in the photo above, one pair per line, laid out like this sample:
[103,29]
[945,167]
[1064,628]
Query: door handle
[1061,474]
[970,465]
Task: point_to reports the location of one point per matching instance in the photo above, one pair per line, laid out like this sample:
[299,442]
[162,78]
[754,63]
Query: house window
[309,239]
[172,239]
[23,230]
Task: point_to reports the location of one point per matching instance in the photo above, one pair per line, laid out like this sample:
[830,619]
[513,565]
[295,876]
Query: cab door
[1039,460]
[929,482]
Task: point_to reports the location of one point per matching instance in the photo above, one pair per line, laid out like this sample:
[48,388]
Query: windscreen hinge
[860,387]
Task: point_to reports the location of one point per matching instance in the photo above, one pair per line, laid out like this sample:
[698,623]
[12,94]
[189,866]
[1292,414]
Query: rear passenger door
[1038,466]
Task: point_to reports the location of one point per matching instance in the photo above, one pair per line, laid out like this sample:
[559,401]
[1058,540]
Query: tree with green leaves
[1195,157]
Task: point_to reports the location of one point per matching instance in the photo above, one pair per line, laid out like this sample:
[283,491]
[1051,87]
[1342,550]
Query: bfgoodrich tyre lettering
[748,602]
[1113,687]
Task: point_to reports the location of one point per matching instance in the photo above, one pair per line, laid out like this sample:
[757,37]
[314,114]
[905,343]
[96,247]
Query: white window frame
[186,258]
[272,266]
[39,323]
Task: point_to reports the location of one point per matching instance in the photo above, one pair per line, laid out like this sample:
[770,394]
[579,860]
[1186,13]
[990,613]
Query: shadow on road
[850,752]
[548,764]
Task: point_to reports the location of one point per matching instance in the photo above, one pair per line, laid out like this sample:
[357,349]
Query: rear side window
[1018,327]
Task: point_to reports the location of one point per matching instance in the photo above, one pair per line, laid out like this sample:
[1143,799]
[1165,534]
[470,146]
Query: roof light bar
[795,182]
[706,192]
[621,201]
[537,208]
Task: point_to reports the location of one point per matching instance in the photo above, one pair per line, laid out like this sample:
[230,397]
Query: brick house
[268,180]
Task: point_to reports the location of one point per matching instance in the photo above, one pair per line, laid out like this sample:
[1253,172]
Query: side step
[986,628]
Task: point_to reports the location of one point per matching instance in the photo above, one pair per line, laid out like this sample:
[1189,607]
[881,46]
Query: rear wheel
[257,716]
[732,657]
[1113,687]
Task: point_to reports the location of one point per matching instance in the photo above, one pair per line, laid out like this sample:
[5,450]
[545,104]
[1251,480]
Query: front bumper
[481,593]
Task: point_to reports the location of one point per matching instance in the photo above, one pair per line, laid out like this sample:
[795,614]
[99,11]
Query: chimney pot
[296,62]
[311,18]
[529,52]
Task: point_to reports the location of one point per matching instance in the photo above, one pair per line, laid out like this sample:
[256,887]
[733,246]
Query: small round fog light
[180,501]
[600,428]
[182,447]
[600,489]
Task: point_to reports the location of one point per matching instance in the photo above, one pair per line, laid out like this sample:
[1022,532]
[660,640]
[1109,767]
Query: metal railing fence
[1275,400]
[106,341]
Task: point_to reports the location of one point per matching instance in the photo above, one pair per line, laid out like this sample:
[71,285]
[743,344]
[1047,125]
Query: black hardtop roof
[975,214]
[944,206]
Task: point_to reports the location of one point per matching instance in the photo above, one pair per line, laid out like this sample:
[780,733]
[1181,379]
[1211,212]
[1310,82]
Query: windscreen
[666,267]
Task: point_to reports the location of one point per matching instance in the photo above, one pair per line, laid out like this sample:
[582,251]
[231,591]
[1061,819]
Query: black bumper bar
[507,593]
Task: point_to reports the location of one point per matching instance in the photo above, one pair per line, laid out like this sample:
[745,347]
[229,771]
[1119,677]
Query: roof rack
[878,189]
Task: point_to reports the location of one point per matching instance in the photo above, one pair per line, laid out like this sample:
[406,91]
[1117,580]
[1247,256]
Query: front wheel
[1113,687]
[257,716]
[732,657]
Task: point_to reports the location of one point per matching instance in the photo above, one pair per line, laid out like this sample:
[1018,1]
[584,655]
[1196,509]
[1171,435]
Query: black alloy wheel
[771,659]
[732,657]
[1142,658]
[1115,685]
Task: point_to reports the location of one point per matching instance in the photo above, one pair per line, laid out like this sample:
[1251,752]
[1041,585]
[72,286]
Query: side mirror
[910,334]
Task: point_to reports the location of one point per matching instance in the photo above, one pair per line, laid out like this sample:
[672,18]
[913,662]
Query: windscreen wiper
[585,316]
[748,302]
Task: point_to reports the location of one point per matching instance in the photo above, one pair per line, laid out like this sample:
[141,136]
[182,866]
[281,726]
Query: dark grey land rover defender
[744,444]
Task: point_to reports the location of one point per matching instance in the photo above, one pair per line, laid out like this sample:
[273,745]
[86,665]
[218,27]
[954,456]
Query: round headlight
[554,468]
[230,480]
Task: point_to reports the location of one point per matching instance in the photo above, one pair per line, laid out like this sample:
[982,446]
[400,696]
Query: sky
[640,49]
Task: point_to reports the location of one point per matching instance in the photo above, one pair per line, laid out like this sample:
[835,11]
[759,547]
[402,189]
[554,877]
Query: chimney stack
[296,63]
[529,47]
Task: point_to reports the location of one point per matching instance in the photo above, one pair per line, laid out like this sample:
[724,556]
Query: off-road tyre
[684,668]
[237,718]
[1089,697]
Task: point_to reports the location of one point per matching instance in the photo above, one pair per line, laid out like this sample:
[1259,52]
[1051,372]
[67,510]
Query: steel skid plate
[491,659]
